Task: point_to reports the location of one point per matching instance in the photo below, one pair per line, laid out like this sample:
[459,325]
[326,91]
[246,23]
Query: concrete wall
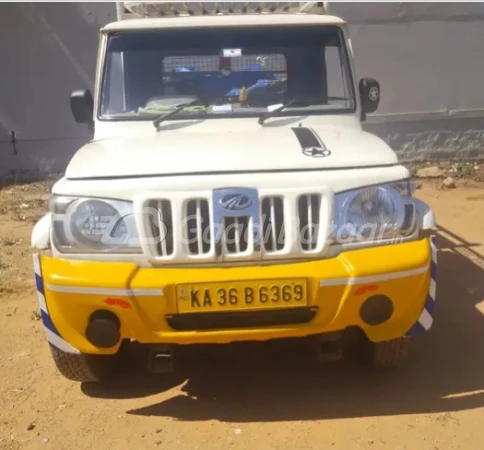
[47,50]
[428,57]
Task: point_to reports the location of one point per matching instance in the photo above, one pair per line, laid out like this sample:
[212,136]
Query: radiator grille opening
[273,224]
[308,210]
[161,226]
[198,227]
[235,234]
[242,319]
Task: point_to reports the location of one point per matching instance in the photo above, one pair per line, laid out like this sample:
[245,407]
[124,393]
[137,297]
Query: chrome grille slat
[310,218]
[197,226]
[309,206]
[161,222]
[273,230]
[227,235]
[273,222]
[237,235]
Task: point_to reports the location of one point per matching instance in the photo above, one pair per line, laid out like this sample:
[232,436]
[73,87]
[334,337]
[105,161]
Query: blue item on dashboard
[216,85]
[184,69]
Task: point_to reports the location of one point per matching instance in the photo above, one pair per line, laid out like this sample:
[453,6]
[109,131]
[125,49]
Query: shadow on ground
[280,381]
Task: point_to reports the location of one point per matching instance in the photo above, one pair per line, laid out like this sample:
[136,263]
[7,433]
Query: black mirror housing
[82,106]
[369,94]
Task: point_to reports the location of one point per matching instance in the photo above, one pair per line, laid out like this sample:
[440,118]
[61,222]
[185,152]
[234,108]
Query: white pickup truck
[230,194]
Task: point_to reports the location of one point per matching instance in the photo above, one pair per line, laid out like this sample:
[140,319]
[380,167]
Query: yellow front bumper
[142,298]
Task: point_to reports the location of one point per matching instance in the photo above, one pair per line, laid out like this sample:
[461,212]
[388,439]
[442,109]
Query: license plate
[241,295]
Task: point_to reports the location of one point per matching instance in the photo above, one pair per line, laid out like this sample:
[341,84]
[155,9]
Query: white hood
[223,149]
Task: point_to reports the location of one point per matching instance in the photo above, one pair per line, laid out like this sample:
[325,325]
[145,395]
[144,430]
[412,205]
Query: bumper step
[160,359]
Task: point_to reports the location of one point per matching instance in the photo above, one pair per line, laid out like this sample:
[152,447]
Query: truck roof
[241,20]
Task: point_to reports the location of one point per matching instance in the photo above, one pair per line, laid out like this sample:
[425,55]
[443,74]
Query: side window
[116,98]
[335,76]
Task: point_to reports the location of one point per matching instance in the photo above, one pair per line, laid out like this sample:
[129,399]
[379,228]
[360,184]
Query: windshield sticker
[310,143]
[222,109]
[271,108]
[232,52]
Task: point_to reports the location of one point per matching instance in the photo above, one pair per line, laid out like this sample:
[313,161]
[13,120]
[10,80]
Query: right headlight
[374,213]
[90,225]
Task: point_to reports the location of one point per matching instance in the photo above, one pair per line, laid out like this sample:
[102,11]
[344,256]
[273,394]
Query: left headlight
[92,225]
[374,213]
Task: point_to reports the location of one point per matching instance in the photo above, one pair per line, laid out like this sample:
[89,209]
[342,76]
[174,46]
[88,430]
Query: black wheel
[390,354]
[82,367]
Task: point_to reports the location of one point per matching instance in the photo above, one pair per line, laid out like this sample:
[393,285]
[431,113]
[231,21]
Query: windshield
[226,72]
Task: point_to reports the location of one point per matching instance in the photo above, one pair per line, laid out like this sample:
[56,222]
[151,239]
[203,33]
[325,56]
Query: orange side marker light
[367,288]
[118,302]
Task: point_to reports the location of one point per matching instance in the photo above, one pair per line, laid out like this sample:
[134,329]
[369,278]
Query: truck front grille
[288,225]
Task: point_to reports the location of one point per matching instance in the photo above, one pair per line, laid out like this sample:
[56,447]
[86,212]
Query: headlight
[374,213]
[89,225]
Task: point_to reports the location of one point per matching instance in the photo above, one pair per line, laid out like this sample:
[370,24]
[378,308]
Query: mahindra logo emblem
[235,202]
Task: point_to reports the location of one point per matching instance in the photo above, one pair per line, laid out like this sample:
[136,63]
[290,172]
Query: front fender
[425,215]
[41,233]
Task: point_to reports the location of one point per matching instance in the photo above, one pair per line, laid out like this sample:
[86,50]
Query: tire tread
[82,367]
[390,354]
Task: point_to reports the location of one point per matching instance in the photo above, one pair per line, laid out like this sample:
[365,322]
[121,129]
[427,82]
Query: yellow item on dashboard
[243,96]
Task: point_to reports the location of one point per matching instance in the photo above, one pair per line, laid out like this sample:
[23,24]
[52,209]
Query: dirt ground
[258,397]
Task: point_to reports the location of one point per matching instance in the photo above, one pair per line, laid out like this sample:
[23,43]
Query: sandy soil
[262,397]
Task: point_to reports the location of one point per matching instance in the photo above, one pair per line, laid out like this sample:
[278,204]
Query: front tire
[83,367]
[390,354]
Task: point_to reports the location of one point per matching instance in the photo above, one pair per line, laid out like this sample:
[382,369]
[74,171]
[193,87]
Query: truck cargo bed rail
[132,10]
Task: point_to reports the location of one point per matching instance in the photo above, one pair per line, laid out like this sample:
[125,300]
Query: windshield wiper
[178,109]
[276,111]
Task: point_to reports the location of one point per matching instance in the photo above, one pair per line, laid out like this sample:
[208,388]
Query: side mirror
[369,94]
[82,106]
